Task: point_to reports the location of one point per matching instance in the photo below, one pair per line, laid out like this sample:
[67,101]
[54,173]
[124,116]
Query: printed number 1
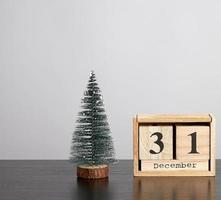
[193,138]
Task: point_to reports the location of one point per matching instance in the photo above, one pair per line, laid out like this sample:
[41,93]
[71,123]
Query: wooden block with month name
[174,165]
[192,142]
[155,139]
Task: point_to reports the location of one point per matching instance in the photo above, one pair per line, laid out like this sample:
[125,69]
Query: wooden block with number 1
[192,142]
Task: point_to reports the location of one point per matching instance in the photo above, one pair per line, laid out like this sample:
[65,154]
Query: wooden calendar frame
[174,120]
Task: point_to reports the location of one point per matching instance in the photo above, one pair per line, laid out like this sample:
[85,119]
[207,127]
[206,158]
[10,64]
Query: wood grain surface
[147,142]
[92,172]
[184,142]
[173,118]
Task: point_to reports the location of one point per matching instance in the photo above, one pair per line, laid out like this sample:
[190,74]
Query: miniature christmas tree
[92,146]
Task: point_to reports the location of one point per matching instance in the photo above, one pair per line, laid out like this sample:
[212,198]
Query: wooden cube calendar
[174,145]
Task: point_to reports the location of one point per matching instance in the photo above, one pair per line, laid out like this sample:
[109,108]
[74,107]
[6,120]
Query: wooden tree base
[92,172]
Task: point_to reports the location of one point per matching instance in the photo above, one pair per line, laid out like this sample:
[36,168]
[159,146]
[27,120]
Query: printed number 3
[158,142]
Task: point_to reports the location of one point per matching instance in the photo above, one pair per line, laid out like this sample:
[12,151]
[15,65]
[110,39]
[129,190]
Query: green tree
[92,143]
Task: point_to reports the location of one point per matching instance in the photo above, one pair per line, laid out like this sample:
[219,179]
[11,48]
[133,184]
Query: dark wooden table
[56,180]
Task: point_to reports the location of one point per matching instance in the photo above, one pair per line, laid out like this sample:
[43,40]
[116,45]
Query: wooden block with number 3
[155,142]
[193,142]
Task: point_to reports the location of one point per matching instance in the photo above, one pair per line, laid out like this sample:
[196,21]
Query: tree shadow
[93,189]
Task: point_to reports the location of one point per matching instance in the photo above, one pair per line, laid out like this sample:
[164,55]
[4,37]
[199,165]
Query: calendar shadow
[174,188]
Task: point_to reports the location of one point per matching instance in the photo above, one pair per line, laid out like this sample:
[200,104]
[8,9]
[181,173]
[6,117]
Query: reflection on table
[174,188]
[96,189]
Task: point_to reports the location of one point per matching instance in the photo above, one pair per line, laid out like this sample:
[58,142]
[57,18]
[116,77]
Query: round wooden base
[92,172]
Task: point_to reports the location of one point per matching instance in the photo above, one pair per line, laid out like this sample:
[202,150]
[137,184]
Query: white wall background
[149,57]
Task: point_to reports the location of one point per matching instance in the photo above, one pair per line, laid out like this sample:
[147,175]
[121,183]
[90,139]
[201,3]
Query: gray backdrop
[149,57]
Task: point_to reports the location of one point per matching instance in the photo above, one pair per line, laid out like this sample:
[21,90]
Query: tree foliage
[92,143]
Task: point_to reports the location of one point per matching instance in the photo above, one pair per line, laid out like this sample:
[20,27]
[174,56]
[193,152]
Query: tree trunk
[92,172]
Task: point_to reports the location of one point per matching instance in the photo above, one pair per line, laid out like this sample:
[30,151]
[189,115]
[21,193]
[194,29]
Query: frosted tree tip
[92,73]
